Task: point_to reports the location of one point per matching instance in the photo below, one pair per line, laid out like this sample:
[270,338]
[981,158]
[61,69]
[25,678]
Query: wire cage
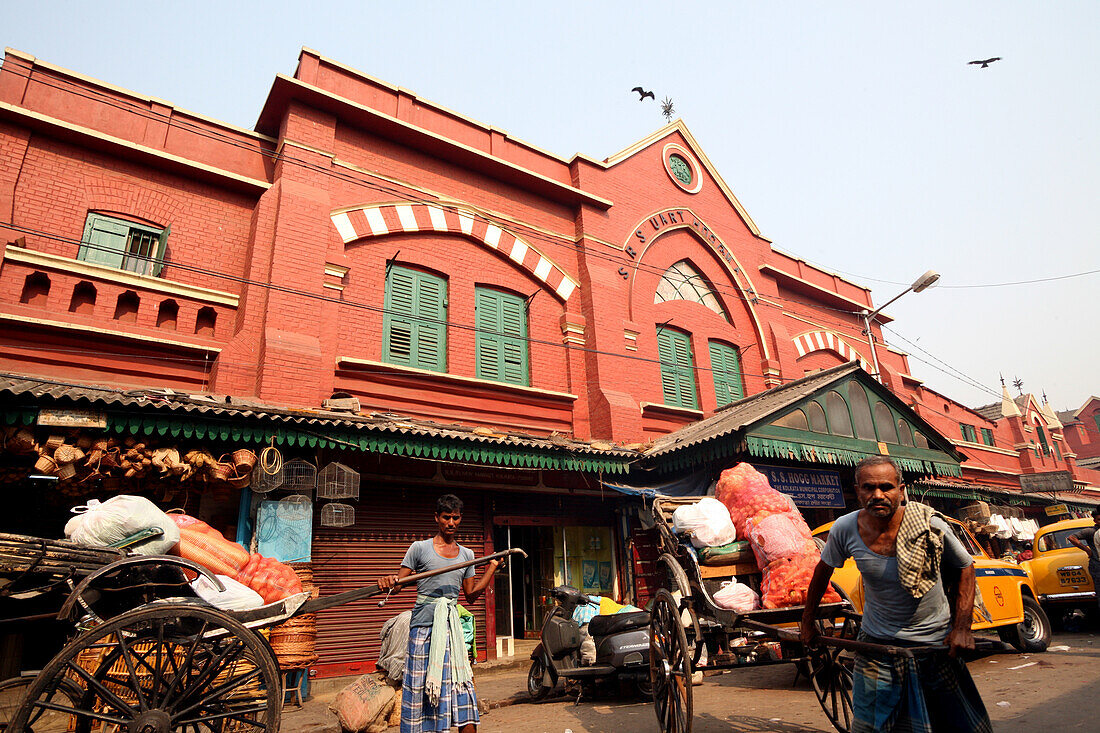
[337,481]
[337,515]
[262,482]
[298,475]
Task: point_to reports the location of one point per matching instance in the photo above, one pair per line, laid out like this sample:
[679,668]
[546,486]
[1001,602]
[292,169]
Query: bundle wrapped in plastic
[104,523]
[787,579]
[737,597]
[707,522]
[776,536]
[202,544]
[747,493]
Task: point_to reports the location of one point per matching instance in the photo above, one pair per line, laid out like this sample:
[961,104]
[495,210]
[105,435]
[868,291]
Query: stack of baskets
[295,642]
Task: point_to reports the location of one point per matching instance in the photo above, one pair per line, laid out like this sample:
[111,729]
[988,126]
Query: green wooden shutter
[107,240]
[501,339]
[725,363]
[161,253]
[414,324]
[677,368]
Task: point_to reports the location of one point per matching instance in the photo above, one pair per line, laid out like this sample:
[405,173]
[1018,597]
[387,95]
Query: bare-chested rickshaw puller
[438,691]
[904,550]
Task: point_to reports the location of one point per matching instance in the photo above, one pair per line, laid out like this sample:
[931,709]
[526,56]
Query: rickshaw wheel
[669,666]
[830,673]
[172,667]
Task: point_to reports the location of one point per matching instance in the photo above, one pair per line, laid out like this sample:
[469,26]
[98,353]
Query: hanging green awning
[765,447]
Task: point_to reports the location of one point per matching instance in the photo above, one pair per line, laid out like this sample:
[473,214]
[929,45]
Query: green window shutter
[414,329]
[987,436]
[725,363]
[104,241]
[161,252]
[677,368]
[501,339]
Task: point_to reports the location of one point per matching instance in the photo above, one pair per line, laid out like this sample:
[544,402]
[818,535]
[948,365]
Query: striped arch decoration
[379,220]
[812,341]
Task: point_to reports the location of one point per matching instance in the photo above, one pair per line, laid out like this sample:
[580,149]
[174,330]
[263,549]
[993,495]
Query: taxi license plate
[1072,577]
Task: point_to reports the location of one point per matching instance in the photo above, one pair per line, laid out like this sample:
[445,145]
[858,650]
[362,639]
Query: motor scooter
[622,647]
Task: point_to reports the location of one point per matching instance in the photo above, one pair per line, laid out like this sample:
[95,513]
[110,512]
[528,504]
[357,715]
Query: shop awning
[206,417]
[781,423]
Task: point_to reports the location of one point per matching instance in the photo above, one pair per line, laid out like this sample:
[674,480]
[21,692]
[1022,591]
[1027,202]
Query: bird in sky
[984,62]
[642,94]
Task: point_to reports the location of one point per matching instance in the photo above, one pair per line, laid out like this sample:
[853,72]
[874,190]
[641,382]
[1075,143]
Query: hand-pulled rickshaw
[685,620]
[147,655]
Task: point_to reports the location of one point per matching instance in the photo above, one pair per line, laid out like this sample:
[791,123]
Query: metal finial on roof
[666,108]
[1019,385]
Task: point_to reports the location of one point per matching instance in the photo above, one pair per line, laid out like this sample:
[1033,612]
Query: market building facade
[522,329]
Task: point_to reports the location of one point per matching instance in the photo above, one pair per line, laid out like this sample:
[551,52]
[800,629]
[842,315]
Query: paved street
[1055,691]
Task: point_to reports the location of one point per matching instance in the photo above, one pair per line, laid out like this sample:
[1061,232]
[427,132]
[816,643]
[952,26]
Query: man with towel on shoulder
[901,549]
[438,690]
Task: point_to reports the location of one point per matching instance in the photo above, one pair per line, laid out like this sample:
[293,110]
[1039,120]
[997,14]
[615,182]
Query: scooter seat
[616,622]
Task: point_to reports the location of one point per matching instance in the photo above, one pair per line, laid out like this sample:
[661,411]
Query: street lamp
[922,282]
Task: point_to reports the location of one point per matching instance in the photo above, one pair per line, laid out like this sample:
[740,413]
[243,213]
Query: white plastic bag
[236,597]
[737,597]
[707,521]
[98,524]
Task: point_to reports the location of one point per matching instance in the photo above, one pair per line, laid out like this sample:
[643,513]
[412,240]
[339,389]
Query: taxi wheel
[1033,633]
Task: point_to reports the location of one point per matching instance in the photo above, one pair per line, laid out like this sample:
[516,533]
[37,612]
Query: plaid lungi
[457,707]
[933,693]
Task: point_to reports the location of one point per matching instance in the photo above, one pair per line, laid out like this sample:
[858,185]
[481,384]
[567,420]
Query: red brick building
[364,241]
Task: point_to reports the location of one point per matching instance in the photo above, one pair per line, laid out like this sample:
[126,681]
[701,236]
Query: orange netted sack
[746,493]
[786,581]
[270,578]
[202,544]
[776,536]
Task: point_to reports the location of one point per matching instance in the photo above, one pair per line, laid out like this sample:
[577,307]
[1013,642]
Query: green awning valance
[794,451]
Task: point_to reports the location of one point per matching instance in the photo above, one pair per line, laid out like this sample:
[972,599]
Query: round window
[680,168]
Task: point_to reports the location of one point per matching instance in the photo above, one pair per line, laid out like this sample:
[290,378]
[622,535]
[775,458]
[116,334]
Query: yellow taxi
[1060,570]
[1004,599]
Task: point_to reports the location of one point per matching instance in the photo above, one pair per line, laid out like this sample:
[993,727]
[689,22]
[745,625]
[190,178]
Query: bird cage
[262,482]
[298,476]
[337,515]
[337,481]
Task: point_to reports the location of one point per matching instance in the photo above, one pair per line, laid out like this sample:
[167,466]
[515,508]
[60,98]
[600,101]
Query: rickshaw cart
[685,620]
[149,656]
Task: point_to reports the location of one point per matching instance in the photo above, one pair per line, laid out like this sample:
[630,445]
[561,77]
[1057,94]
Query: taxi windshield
[1057,540]
[968,542]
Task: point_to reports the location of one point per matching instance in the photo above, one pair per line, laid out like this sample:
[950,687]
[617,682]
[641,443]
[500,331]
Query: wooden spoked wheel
[171,667]
[830,672]
[669,666]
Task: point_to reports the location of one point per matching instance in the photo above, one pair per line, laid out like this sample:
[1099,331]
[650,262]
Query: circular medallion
[682,168]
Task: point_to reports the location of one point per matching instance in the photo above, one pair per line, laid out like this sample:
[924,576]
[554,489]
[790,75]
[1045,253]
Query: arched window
[905,433]
[795,419]
[816,415]
[684,282]
[884,422]
[861,412]
[205,322]
[840,422]
[919,440]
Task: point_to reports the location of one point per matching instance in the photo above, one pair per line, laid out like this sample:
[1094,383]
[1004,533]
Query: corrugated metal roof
[990,412]
[169,403]
[743,413]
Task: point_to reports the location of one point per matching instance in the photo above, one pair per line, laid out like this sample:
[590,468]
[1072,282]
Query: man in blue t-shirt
[1088,539]
[902,549]
[437,692]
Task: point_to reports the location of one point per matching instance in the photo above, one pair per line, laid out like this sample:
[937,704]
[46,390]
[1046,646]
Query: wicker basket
[46,465]
[22,442]
[243,460]
[295,642]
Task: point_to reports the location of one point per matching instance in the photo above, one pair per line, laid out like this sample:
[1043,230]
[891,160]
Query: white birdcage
[298,476]
[262,482]
[337,515]
[337,481]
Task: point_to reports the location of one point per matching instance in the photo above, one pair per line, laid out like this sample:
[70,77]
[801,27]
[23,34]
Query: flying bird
[642,94]
[984,62]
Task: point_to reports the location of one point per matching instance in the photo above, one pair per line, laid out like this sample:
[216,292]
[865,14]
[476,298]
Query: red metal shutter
[387,521]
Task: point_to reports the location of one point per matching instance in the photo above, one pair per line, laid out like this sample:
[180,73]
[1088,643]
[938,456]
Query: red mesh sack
[270,578]
[787,579]
[202,544]
[746,493]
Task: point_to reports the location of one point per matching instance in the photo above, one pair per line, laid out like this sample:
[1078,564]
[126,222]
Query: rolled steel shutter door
[387,520]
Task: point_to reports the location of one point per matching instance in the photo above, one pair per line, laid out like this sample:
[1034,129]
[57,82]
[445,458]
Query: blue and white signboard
[809,488]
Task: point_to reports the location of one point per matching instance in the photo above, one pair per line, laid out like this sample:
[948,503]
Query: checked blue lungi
[933,693]
[457,707]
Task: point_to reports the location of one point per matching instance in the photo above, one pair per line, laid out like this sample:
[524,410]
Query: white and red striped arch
[380,220]
[812,341]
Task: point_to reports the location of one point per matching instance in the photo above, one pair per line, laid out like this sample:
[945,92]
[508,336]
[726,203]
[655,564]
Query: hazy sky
[855,134]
